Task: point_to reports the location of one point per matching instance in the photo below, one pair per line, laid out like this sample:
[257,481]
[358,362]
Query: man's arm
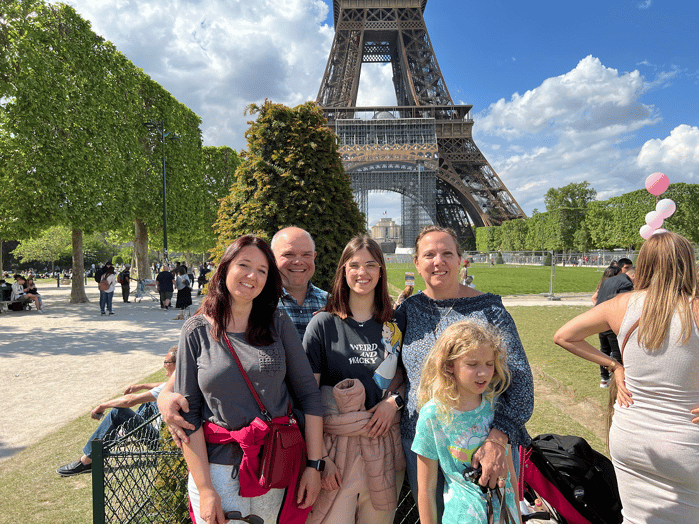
[169,405]
[126,401]
[133,388]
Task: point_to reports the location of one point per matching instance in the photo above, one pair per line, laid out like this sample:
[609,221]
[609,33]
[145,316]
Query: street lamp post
[160,128]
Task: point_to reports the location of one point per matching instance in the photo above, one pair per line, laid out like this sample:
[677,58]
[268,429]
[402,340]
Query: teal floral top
[453,446]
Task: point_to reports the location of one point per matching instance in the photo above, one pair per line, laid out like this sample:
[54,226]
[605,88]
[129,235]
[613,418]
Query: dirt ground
[57,366]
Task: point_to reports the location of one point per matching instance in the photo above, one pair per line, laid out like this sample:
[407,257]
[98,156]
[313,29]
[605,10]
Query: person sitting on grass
[120,415]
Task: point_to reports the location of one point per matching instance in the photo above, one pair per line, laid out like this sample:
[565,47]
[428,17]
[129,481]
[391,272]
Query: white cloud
[591,99]
[576,127]
[217,56]
[677,153]
[645,4]
[376,86]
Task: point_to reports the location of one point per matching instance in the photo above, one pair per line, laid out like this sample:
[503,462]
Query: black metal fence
[139,476]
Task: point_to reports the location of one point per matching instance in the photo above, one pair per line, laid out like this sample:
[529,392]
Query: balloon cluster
[657,184]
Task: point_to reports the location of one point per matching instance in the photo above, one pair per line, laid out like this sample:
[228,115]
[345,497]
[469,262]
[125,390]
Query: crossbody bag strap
[263,410]
[628,334]
[247,379]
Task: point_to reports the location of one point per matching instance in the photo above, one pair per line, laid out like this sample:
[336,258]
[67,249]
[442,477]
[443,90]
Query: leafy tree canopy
[292,174]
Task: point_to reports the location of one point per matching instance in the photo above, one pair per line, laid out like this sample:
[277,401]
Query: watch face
[399,401]
[316,464]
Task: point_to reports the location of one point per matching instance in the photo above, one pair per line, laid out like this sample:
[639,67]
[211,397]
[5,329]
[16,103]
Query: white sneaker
[40,311]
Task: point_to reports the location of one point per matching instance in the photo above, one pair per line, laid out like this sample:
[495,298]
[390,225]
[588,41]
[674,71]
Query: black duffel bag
[583,476]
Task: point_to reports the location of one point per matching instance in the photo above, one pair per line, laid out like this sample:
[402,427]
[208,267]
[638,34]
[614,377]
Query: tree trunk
[77,290]
[1,260]
[140,247]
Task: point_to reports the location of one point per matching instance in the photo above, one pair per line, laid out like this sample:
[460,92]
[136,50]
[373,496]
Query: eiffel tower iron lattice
[422,147]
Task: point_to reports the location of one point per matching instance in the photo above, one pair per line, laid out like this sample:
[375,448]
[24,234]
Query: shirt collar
[310,292]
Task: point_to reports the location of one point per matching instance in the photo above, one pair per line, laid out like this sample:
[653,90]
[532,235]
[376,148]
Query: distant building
[386,230]
[387,233]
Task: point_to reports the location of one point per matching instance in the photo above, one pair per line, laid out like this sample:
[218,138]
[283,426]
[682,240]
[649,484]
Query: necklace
[439,316]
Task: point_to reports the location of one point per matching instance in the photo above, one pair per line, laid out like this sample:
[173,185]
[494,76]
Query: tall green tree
[218,169]
[292,174]
[45,248]
[569,204]
[72,110]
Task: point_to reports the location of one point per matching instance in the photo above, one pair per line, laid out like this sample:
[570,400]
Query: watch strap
[318,465]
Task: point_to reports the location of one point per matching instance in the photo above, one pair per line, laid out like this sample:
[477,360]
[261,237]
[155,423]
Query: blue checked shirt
[302,315]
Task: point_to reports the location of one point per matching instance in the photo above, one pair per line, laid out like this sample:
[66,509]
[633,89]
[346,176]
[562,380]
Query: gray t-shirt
[207,375]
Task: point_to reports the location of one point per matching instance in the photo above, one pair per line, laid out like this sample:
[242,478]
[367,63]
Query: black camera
[472,474]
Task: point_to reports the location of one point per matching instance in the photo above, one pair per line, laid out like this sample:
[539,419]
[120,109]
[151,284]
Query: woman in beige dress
[654,436]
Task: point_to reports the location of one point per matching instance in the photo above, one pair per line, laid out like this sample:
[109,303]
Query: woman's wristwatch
[399,400]
[316,464]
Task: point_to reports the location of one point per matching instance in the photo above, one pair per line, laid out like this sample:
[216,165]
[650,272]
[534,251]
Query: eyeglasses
[369,267]
[169,362]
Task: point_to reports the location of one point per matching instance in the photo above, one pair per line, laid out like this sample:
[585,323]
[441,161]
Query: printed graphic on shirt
[463,448]
[391,339]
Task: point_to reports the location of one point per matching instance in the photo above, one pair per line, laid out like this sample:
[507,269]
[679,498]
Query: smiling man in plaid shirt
[295,253]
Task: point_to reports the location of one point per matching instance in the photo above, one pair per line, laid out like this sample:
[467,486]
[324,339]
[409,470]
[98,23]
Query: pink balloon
[654,220]
[646,231]
[657,183]
[665,207]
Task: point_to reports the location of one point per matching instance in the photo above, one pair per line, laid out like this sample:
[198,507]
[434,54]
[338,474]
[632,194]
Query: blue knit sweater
[419,317]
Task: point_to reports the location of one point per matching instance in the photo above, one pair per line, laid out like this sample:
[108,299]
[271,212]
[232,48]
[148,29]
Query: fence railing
[139,476]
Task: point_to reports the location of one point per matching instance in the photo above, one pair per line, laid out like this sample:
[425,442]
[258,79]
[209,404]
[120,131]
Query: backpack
[576,480]
[98,274]
[120,277]
[104,285]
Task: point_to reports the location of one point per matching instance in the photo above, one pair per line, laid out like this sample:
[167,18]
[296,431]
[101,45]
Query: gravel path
[57,366]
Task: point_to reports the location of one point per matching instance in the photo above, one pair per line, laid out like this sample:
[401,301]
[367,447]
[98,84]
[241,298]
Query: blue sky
[604,92]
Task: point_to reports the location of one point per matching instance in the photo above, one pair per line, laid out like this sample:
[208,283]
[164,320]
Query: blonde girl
[463,375]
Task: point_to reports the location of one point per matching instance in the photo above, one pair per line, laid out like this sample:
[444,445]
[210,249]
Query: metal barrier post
[97,455]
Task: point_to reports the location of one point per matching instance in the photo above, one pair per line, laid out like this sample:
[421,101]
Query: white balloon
[661,230]
[654,220]
[665,207]
[646,231]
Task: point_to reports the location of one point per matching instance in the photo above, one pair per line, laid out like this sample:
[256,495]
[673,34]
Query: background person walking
[106,285]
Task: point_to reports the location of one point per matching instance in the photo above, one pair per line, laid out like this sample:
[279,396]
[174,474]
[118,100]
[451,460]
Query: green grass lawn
[32,491]
[507,279]
[563,371]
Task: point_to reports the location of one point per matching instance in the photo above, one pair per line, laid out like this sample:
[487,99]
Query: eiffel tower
[421,148]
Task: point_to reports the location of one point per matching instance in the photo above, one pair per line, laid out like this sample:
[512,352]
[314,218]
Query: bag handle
[263,410]
[505,515]
[628,334]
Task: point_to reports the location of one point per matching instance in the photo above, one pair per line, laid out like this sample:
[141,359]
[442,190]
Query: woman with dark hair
[610,272]
[353,348]
[240,314]
[106,295]
[654,435]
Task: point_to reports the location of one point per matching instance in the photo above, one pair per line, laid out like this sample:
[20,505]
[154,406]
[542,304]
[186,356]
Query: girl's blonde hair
[437,381]
[666,270]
